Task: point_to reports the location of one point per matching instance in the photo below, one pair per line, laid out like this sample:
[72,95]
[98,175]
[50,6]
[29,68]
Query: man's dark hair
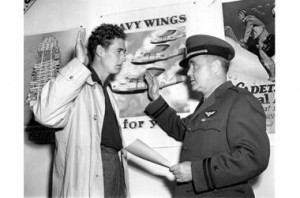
[103,35]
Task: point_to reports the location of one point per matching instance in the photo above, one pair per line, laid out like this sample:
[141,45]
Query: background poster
[159,50]
[155,40]
[44,55]
[250,69]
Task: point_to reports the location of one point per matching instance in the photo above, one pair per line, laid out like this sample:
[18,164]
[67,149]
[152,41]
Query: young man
[224,141]
[89,160]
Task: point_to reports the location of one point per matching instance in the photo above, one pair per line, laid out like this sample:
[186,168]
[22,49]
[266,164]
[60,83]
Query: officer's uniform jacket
[74,102]
[225,139]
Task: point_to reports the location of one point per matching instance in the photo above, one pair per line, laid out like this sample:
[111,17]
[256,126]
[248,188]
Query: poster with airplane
[158,51]
[250,27]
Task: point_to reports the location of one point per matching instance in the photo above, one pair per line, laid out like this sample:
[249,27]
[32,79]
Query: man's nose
[189,73]
[123,58]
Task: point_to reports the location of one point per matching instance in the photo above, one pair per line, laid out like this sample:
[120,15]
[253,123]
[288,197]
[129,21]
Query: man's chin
[116,71]
[194,88]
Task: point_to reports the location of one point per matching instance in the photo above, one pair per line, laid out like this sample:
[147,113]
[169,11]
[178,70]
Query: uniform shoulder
[241,91]
[238,89]
[245,98]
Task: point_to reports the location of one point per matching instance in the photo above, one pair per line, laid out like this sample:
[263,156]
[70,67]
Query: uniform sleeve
[54,104]
[166,118]
[249,149]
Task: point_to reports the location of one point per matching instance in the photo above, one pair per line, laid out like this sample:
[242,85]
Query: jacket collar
[212,98]
[222,89]
[94,78]
[90,81]
[219,91]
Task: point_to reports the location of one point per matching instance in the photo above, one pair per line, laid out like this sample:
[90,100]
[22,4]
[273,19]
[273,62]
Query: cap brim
[185,62]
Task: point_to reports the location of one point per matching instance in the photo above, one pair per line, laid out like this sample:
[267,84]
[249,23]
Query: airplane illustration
[132,84]
[156,54]
[169,35]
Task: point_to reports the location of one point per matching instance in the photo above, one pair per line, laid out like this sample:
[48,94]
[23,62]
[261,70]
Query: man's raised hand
[80,49]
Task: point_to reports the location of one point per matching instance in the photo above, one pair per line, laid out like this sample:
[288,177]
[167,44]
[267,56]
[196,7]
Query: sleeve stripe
[160,111]
[210,173]
[204,164]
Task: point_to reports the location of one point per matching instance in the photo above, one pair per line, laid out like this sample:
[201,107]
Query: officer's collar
[222,88]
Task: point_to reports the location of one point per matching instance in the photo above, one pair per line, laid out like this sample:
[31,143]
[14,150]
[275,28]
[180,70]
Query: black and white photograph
[152,101]
[143,99]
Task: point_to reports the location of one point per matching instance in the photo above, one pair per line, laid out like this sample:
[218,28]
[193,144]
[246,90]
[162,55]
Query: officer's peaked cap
[205,44]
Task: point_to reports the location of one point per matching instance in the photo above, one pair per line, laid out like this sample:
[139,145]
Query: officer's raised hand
[153,86]
[80,49]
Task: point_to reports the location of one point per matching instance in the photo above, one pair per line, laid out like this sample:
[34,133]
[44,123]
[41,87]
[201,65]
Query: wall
[55,15]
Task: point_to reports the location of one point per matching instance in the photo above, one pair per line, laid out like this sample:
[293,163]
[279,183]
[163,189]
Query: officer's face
[114,56]
[201,74]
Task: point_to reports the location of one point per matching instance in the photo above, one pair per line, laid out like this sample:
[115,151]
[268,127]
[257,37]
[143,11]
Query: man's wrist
[79,60]
[155,97]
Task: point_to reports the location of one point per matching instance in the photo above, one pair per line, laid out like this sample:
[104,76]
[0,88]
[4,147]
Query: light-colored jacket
[74,102]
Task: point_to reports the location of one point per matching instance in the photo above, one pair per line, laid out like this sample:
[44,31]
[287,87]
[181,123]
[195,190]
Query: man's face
[114,56]
[201,74]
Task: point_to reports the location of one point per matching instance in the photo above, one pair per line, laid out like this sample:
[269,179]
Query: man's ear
[99,50]
[216,66]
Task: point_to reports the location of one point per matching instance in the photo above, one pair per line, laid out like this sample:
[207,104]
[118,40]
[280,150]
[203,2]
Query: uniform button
[95,117]
[71,77]
[96,175]
[94,86]
[185,148]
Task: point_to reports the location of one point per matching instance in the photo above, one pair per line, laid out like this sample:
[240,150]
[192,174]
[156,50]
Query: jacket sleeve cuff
[202,177]
[75,72]
[155,108]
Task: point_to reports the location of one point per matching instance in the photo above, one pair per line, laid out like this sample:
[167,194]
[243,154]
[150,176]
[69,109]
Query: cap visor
[184,63]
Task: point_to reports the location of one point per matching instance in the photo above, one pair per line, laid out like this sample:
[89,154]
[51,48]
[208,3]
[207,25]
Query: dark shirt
[110,131]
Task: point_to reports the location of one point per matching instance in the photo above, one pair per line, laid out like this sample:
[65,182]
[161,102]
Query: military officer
[224,141]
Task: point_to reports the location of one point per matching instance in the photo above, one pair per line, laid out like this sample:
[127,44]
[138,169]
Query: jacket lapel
[212,99]
[209,102]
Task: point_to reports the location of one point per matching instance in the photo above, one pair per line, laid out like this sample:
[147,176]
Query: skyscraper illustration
[45,67]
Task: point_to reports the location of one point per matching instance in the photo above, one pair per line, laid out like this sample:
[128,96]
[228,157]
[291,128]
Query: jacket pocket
[209,125]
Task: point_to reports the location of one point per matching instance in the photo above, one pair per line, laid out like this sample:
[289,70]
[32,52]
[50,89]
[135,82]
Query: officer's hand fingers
[174,168]
[148,80]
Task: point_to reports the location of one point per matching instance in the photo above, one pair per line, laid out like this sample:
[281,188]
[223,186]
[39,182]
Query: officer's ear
[216,66]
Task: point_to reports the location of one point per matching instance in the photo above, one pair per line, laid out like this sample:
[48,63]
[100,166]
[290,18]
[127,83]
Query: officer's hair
[224,62]
[104,35]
